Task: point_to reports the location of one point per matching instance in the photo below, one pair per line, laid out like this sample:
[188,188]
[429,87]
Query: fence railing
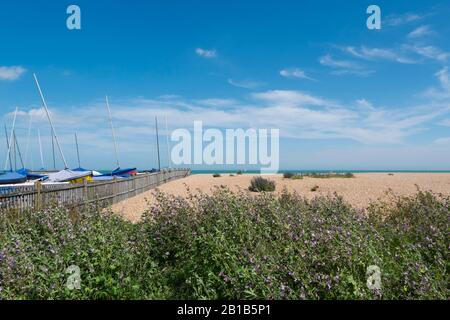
[105,192]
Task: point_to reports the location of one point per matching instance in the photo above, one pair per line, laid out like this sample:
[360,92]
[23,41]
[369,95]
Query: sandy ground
[359,191]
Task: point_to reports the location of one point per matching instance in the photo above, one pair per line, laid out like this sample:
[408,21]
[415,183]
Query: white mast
[116,149]
[28,140]
[50,120]
[167,143]
[10,139]
[40,149]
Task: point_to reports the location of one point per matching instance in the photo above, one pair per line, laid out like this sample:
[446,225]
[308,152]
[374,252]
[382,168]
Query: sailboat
[118,172]
[65,175]
[11,177]
[26,172]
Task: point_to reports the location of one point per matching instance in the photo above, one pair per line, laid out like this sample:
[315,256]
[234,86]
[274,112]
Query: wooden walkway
[104,192]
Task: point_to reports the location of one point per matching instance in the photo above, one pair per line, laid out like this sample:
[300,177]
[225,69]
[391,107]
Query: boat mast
[10,140]
[116,149]
[167,143]
[28,140]
[7,146]
[78,151]
[40,149]
[18,150]
[50,120]
[157,142]
[53,151]
[14,150]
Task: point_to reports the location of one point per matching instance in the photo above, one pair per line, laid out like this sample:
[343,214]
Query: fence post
[38,200]
[85,191]
[114,191]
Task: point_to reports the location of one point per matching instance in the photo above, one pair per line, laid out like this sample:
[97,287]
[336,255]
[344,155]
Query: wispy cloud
[363,103]
[342,67]
[442,92]
[401,19]
[420,32]
[297,114]
[445,123]
[11,73]
[292,98]
[295,73]
[245,83]
[442,141]
[217,102]
[378,54]
[205,53]
[429,52]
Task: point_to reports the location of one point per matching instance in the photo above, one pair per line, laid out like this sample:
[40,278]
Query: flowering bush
[259,184]
[36,249]
[231,246]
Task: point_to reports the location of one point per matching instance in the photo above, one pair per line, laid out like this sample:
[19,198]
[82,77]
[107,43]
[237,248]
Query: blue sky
[343,96]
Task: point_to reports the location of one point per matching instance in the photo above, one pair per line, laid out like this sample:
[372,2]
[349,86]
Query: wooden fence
[104,192]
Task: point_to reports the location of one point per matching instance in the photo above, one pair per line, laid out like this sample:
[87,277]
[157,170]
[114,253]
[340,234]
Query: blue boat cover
[120,173]
[12,177]
[32,176]
[123,172]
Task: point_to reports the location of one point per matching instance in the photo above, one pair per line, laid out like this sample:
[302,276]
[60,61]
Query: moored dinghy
[32,176]
[12,178]
[67,175]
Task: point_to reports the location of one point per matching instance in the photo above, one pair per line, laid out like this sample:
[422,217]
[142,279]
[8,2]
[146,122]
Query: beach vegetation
[231,245]
[260,184]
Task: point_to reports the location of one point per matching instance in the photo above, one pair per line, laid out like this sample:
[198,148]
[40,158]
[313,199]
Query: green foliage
[231,246]
[216,175]
[36,248]
[288,175]
[259,184]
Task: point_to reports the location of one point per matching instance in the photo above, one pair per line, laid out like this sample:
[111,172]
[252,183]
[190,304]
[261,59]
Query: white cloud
[11,73]
[363,103]
[343,67]
[442,141]
[378,53]
[215,102]
[401,19]
[206,53]
[445,123]
[420,32]
[430,52]
[442,93]
[295,73]
[246,83]
[292,98]
[297,114]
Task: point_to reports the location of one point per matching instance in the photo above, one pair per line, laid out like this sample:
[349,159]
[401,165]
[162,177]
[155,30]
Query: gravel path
[359,191]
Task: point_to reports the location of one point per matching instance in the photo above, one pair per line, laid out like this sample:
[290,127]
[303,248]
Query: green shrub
[231,246]
[216,175]
[259,184]
[288,175]
[37,248]
[237,246]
